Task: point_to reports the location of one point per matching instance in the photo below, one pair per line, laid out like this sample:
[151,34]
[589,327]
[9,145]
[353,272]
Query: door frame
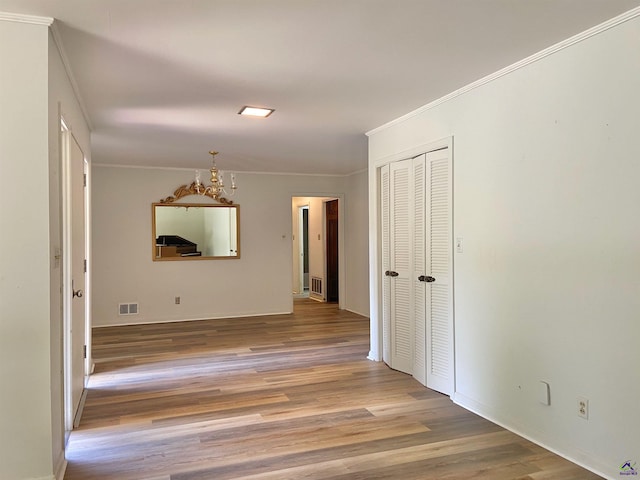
[341,249]
[302,236]
[66,137]
[326,247]
[375,245]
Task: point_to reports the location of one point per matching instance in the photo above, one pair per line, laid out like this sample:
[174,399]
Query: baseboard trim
[373,357]
[61,467]
[485,412]
[177,320]
[357,313]
[78,417]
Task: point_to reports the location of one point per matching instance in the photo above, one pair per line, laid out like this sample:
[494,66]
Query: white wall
[33,87]
[25,398]
[260,282]
[546,197]
[357,253]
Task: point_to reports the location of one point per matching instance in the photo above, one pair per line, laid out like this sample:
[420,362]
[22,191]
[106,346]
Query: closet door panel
[386,279]
[440,292]
[419,268]
[401,259]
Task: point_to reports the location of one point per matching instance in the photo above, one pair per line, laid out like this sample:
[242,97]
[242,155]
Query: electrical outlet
[177,300]
[583,408]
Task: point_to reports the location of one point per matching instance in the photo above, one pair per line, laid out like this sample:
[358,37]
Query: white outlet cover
[583,408]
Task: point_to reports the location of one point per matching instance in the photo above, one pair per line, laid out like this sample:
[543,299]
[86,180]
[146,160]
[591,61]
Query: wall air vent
[316,286]
[128,309]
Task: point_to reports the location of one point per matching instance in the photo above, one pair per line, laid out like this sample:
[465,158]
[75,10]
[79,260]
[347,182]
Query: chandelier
[217,187]
[215,191]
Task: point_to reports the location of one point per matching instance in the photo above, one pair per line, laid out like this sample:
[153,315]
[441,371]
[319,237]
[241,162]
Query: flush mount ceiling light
[256,111]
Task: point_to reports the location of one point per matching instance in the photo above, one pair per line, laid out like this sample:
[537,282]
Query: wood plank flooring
[279,397]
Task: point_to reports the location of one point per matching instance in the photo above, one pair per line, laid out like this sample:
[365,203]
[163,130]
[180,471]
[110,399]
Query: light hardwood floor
[279,397]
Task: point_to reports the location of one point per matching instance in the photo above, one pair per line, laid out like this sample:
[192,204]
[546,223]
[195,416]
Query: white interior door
[417,288]
[77,255]
[439,308]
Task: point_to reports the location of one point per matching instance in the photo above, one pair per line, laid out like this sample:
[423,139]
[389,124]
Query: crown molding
[237,172]
[631,14]
[57,39]
[20,18]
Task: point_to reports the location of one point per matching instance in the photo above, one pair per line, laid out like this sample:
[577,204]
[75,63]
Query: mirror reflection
[191,231]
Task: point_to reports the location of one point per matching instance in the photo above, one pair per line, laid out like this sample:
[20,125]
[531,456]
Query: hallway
[279,397]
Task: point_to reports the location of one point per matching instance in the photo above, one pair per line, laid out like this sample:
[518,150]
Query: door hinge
[84,179]
[85,265]
[84,351]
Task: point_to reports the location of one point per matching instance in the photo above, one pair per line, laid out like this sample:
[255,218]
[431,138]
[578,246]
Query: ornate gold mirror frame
[194,189]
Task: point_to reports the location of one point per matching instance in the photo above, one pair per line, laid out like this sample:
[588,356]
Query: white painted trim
[60,467]
[191,169]
[64,135]
[513,67]
[375,323]
[494,417]
[357,172]
[357,313]
[222,317]
[21,18]
[83,400]
[414,151]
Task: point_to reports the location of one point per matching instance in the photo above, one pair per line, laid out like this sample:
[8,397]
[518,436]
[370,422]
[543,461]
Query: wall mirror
[194,231]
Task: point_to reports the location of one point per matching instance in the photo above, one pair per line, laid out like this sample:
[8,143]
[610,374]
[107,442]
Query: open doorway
[303,237]
[317,236]
[332,269]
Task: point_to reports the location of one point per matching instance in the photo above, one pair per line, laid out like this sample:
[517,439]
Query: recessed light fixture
[256,111]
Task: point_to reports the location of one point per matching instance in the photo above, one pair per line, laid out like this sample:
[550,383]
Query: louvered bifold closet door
[386,279]
[439,311]
[419,268]
[400,263]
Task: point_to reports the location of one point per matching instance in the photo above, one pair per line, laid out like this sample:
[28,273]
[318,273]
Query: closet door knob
[426,278]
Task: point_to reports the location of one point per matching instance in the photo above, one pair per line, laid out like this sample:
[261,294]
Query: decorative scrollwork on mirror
[194,189]
[214,190]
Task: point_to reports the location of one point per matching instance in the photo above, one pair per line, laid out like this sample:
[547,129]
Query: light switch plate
[544,393]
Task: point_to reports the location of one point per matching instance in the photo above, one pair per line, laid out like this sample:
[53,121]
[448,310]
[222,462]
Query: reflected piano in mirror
[175,246]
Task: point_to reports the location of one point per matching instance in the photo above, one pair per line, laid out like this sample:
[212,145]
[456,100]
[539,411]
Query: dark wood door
[331,215]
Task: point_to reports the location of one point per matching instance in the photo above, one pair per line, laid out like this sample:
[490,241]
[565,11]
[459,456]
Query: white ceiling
[162,80]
